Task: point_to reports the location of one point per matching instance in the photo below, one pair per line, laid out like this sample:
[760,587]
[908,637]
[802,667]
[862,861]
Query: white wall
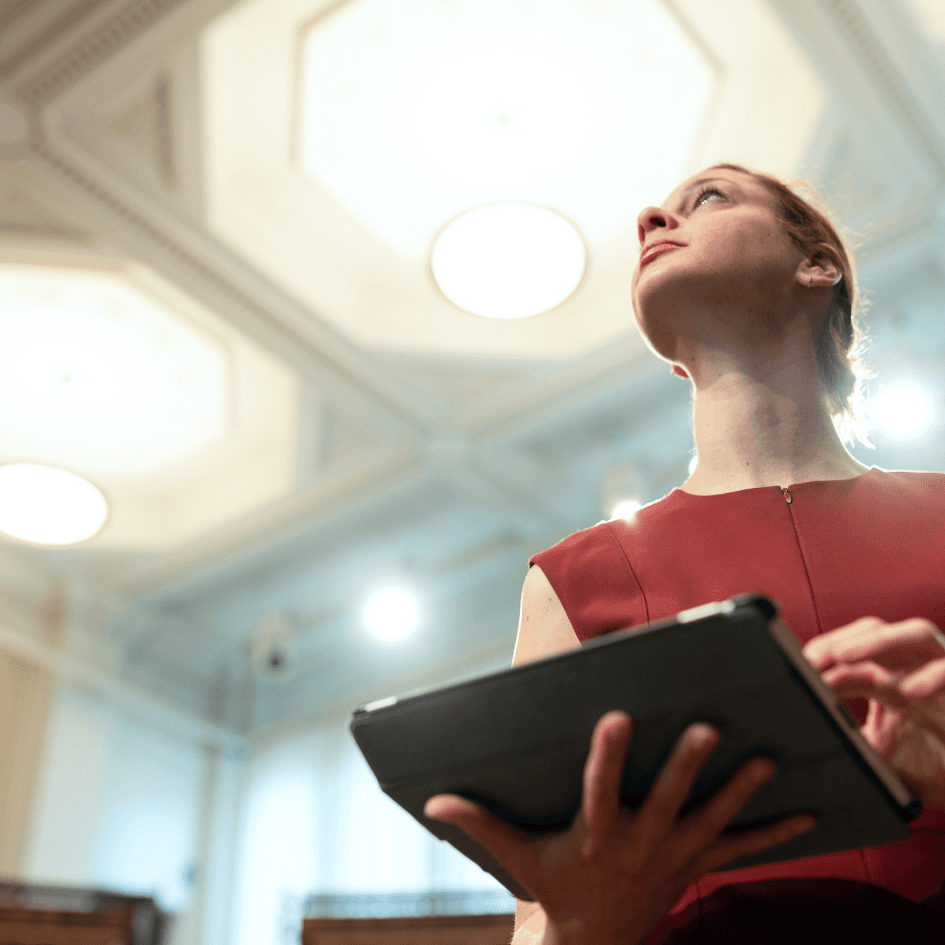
[315,821]
[214,921]
[25,697]
[124,805]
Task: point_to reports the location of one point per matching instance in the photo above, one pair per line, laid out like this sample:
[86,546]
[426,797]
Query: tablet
[516,741]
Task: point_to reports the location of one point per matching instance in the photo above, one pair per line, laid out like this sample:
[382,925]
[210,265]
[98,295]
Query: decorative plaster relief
[29,27]
[25,215]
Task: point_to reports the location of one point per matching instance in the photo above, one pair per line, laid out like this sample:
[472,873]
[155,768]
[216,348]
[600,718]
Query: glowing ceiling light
[508,260]
[49,506]
[391,614]
[412,112]
[626,509]
[903,410]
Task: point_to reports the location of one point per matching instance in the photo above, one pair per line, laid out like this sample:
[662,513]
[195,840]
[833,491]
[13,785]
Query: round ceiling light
[508,260]
[392,614]
[49,506]
[903,410]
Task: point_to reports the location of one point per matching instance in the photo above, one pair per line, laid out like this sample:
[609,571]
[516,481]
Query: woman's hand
[900,668]
[614,874]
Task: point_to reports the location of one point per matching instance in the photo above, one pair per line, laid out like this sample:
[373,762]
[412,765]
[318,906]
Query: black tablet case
[516,741]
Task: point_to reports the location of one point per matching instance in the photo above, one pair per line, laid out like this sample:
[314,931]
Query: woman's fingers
[902,646]
[721,809]
[869,681]
[507,844]
[729,848]
[603,774]
[450,808]
[674,782]
[864,673]
[927,681]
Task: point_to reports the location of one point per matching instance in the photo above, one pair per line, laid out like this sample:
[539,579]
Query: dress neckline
[791,487]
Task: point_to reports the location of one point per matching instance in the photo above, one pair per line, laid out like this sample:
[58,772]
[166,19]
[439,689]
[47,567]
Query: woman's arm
[530,921]
[543,630]
[543,627]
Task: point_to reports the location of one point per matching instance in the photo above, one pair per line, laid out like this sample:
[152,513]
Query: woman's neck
[775,433]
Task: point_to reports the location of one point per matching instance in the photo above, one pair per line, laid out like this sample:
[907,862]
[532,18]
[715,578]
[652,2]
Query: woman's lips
[655,251]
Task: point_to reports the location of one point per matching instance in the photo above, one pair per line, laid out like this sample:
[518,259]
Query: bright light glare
[508,260]
[392,614]
[693,463]
[903,411]
[626,509]
[49,506]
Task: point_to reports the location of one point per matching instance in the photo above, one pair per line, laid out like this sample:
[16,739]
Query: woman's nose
[653,218]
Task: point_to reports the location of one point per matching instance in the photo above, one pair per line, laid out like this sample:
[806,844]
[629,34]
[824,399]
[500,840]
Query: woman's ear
[813,270]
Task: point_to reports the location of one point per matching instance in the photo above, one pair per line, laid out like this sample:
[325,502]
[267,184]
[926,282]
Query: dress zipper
[787,495]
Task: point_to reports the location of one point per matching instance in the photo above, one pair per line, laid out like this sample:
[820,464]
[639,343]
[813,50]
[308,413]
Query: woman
[748,291]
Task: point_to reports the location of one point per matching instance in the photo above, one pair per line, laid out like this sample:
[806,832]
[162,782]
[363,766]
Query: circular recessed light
[903,410]
[392,614]
[49,506]
[508,260]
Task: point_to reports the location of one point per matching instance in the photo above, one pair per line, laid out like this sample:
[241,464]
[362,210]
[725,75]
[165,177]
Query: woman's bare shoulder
[544,628]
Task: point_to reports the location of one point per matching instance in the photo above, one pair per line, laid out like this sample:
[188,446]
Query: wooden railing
[61,915]
[412,930]
[434,917]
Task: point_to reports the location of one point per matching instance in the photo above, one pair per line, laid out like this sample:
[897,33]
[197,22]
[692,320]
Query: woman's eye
[705,193]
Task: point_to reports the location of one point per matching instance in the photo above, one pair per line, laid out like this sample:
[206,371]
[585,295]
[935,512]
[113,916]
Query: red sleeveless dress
[828,553]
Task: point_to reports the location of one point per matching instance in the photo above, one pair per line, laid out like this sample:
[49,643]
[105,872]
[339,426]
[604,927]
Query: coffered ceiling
[269,177]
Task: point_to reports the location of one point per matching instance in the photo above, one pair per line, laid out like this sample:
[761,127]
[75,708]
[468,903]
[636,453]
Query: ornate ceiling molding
[887,78]
[16,17]
[89,52]
[174,249]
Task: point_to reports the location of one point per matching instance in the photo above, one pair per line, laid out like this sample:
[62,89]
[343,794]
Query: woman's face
[732,278]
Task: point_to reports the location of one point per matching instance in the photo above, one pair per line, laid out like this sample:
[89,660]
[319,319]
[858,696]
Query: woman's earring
[678,371]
